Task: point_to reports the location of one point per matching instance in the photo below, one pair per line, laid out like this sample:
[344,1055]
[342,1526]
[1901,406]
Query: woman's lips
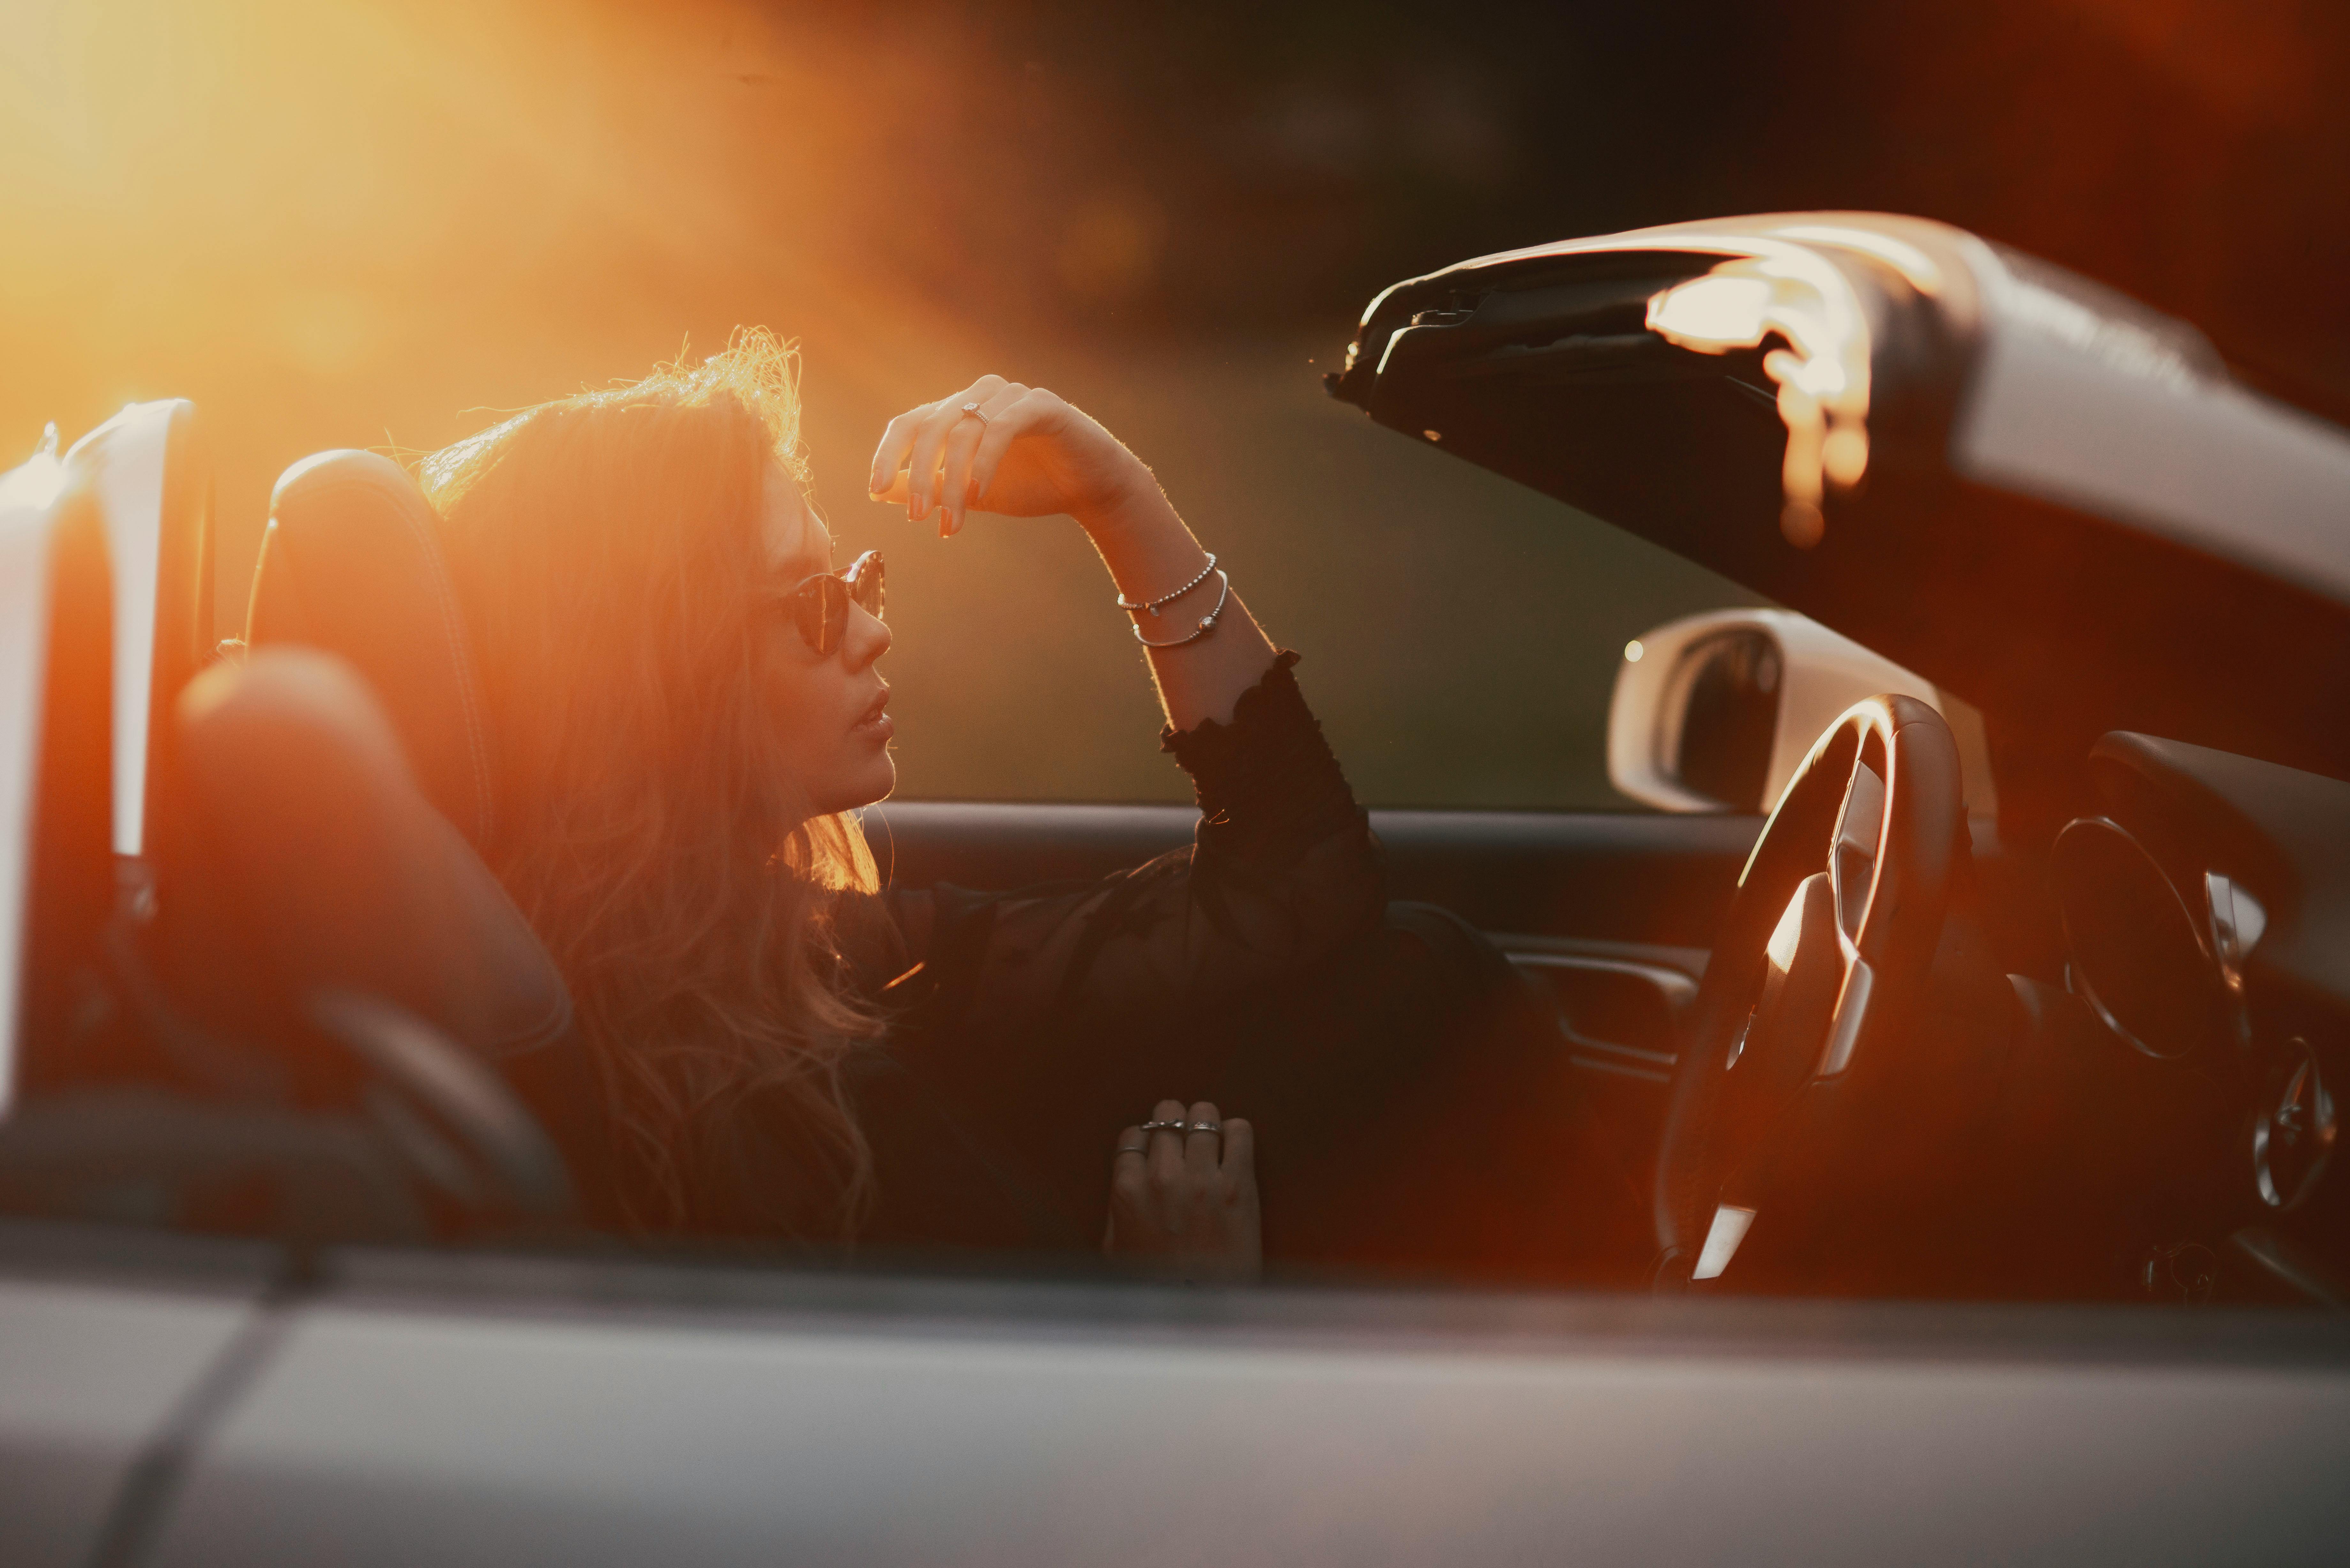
[875,722]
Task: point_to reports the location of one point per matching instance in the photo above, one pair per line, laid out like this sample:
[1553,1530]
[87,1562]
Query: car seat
[315,900]
[295,1026]
[351,567]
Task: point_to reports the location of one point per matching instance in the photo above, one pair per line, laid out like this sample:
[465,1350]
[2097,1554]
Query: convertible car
[1966,1006]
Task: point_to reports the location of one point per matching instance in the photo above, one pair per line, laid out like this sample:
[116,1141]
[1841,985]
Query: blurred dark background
[363,222]
[1224,166]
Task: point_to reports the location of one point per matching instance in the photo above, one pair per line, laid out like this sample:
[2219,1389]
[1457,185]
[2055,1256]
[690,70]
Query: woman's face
[830,707]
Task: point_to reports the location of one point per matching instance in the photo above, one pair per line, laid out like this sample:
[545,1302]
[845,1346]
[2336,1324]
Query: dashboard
[2206,915]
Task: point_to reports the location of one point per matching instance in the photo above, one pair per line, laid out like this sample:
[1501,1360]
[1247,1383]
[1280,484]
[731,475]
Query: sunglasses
[819,606]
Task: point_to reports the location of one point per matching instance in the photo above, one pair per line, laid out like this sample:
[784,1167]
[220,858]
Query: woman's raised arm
[1001,447]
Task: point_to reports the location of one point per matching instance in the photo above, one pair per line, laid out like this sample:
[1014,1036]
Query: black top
[1028,1027]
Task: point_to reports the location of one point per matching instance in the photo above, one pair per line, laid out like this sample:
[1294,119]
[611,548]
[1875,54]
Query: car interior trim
[1730,1226]
[25,525]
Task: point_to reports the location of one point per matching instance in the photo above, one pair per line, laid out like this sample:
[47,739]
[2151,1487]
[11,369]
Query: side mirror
[1715,711]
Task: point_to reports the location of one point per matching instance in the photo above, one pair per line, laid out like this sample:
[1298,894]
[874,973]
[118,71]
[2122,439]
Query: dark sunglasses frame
[818,605]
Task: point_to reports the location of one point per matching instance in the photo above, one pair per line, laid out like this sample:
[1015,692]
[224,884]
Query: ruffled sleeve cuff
[1267,783]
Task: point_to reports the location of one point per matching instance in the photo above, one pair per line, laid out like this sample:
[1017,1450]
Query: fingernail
[945,532]
[918,506]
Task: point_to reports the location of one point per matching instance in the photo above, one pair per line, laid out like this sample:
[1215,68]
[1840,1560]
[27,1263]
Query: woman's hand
[1185,1205]
[1032,455]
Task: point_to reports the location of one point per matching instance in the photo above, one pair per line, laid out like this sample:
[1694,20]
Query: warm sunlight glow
[1716,309]
[1634,652]
[1800,298]
[376,222]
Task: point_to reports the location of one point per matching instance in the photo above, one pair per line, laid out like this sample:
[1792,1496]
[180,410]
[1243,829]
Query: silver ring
[1216,1127]
[975,412]
[1128,1148]
[1178,1124]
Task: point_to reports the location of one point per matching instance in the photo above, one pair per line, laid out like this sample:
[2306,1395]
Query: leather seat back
[354,749]
[351,565]
[313,862]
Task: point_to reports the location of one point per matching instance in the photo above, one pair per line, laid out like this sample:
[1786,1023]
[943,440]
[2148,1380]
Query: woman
[686,707]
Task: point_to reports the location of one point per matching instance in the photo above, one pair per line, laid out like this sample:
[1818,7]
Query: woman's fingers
[956,492]
[1243,1252]
[1201,1148]
[889,457]
[929,442]
[954,474]
[893,457]
[938,457]
[1187,1197]
[1129,1184]
[1166,1160]
[1239,1163]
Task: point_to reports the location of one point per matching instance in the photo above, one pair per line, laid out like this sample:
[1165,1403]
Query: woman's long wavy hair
[604,547]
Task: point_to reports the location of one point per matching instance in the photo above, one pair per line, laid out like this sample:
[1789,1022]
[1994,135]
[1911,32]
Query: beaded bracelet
[1152,605]
[1207,622]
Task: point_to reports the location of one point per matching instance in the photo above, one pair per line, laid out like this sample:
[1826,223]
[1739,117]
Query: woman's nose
[864,639]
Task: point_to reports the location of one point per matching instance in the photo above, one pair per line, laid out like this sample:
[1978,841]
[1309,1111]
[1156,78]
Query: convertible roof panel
[2034,490]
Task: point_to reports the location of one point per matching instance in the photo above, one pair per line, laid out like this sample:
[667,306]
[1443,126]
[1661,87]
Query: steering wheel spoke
[1823,956]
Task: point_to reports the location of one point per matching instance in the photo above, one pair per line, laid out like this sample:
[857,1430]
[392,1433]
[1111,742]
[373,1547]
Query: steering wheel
[1814,982]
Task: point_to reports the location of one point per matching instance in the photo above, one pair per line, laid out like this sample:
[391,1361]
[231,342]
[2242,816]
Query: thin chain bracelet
[1207,621]
[1152,605]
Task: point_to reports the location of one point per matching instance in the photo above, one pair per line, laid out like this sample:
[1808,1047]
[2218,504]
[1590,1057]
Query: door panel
[1609,914]
[1607,876]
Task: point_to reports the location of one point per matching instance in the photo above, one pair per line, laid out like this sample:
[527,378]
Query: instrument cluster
[2185,961]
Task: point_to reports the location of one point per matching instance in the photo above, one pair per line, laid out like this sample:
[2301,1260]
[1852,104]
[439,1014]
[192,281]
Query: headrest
[310,861]
[351,564]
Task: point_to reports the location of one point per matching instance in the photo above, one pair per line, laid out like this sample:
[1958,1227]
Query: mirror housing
[1715,711]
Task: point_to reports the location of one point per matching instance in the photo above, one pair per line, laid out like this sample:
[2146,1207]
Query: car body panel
[108,1339]
[555,1415]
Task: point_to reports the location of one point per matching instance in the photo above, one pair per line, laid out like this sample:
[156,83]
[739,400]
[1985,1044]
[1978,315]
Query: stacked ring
[1178,1124]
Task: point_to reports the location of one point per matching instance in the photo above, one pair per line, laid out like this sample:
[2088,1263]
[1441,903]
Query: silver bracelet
[1207,622]
[1152,605]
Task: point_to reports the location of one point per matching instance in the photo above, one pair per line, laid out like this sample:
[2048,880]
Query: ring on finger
[972,410]
[1216,1127]
[1131,1149]
[1176,1125]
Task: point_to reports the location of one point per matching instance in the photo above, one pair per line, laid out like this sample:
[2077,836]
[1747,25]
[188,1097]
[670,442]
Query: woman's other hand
[1031,455]
[1184,1205]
